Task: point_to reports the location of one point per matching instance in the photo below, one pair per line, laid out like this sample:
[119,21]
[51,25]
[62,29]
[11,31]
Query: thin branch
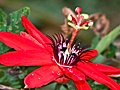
[3,87]
[115,60]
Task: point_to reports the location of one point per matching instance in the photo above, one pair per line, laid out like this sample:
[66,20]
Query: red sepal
[43,76]
[18,42]
[78,77]
[26,58]
[98,76]
[88,55]
[108,70]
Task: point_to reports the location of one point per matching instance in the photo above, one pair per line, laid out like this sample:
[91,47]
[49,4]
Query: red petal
[82,85]
[25,35]
[74,74]
[97,75]
[17,42]
[78,77]
[89,55]
[108,70]
[43,76]
[26,58]
[33,31]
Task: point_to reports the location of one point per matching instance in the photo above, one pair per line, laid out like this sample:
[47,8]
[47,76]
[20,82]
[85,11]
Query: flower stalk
[77,25]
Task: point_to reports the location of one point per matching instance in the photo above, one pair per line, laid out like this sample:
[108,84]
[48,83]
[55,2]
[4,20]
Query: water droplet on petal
[58,73]
[38,78]
[53,72]
[81,79]
[70,70]
[32,74]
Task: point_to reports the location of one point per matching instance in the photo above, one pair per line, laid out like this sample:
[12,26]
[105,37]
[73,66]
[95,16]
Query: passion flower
[61,59]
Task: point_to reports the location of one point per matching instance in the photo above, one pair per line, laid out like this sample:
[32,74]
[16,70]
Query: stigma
[77,23]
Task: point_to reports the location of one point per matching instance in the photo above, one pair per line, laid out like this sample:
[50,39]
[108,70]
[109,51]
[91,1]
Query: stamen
[71,18]
[86,16]
[85,28]
[90,23]
[80,20]
[78,24]
[72,25]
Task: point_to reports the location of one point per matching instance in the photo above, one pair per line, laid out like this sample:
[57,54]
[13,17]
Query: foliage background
[47,17]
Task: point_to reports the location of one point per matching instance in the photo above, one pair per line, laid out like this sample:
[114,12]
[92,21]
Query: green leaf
[22,74]
[9,80]
[71,85]
[95,41]
[3,17]
[111,51]
[107,40]
[3,79]
[58,86]
[15,24]
[96,83]
[99,59]
[1,73]
[16,86]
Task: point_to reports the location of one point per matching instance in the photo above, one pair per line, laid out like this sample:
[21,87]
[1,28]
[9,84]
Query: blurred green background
[46,15]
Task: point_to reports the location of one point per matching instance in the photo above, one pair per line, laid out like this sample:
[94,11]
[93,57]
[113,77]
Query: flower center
[63,57]
[66,53]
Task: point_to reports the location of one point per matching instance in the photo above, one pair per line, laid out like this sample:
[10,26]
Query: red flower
[36,49]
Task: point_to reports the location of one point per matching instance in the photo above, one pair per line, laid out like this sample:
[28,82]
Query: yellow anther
[86,16]
[85,28]
[72,25]
[90,24]
[69,18]
[77,27]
